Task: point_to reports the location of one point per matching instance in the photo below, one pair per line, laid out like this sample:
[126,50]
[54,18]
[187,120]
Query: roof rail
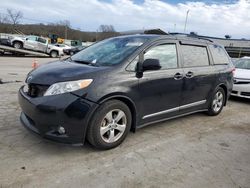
[192,36]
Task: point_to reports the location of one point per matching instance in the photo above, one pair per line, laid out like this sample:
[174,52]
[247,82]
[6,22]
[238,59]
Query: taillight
[233,71]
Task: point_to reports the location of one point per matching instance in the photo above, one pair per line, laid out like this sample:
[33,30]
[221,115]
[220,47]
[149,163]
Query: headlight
[64,87]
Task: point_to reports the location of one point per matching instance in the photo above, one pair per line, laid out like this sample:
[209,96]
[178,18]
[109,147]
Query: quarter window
[165,53]
[219,55]
[194,56]
[132,66]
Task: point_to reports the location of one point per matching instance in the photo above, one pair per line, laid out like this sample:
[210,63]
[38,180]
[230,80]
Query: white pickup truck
[36,43]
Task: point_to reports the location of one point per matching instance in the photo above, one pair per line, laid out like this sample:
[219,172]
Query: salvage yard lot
[192,151]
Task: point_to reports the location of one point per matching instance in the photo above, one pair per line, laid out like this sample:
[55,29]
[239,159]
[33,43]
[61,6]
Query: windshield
[242,64]
[109,52]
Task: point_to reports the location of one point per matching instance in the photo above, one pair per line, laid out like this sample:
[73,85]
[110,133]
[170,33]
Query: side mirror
[151,64]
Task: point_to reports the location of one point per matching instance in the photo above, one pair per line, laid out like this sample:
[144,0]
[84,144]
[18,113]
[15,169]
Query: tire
[53,54]
[18,45]
[104,131]
[71,53]
[217,102]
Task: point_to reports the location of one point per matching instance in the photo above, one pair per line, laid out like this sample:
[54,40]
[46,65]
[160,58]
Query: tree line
[11,23]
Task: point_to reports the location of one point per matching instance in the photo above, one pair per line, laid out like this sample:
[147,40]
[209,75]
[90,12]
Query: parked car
[63,46]
[122,84]
[36,43]
[241,86]
[74,50]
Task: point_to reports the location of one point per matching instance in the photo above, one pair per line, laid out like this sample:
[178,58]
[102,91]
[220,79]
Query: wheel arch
[126,100]
[14,41]
[54,50]
[224,87]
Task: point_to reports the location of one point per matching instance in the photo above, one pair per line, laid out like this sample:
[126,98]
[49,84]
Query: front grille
[245,93]
[36,90]
[241,81]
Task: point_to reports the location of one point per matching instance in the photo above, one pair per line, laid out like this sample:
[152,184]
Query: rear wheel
[110,125]
[17,45]
[217,102]
[53,54]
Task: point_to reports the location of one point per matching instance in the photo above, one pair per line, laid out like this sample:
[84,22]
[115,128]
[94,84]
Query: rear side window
[165,53]
[41,40]
[194,56]
[219,55]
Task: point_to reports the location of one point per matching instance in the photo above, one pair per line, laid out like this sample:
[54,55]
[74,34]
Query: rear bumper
[43,116]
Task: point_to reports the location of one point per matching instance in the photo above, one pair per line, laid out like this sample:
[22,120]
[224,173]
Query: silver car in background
[36,43]
[241,87]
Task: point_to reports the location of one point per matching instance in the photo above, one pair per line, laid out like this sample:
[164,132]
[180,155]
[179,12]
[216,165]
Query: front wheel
[110,125]
[217,102]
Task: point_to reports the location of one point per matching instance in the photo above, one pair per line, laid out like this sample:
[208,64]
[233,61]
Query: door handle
[178,76]
[189,74]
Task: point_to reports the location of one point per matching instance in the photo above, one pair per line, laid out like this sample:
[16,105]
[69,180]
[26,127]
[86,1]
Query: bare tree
[105,31]
[3,19]
[14,16]
[228,36]
[66,24]
[106,28]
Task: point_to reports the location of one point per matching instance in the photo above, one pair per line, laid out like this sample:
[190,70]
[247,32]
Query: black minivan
[124,83]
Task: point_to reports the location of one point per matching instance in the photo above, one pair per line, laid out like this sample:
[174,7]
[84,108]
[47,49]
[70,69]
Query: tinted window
[165,53]
[219,54]
[42,40]
[194,56]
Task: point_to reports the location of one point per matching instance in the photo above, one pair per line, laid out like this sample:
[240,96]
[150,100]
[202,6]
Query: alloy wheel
[218,101]
[113,126]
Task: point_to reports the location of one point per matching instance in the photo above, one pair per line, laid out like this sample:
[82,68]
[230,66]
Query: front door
[41,44]
[31,43]
[160,90]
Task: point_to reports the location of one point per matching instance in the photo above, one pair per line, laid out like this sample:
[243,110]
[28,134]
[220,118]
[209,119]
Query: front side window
[32,38]
[219,54]
[194,56]
[165,53]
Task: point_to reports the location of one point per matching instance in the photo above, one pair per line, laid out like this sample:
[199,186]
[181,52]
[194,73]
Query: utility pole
[186,21]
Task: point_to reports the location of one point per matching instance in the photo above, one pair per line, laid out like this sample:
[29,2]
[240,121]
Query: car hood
[242,73]
[61,71]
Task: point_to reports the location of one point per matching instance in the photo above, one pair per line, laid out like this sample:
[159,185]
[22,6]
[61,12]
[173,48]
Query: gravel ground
[192,151]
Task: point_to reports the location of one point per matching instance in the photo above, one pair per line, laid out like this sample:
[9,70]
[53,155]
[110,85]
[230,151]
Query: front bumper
[43,115]
[241,90]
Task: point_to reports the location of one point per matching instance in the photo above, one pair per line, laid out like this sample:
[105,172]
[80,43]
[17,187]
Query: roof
[173,37]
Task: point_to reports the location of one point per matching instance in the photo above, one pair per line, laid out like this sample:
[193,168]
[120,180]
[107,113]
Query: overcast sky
[213,18]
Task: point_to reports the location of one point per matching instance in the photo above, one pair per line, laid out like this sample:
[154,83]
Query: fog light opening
[61,130]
